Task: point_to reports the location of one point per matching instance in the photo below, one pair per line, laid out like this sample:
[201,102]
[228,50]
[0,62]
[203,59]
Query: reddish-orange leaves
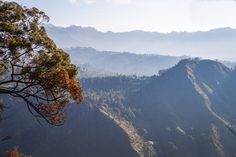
[54,83]
[75,91]
[15,153]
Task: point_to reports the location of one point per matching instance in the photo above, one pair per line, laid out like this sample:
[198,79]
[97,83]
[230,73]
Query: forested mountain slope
[188,110]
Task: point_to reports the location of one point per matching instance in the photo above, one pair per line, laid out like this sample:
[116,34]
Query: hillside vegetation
[186,111]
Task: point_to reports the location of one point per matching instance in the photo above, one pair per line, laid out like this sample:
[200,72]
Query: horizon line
[138,30]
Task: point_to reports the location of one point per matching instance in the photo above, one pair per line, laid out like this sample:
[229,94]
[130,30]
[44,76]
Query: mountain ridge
[213,44]
[94,63]
[144,31]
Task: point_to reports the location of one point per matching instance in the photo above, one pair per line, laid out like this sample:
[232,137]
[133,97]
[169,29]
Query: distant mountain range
[214,44]
[94,63]
[188,110]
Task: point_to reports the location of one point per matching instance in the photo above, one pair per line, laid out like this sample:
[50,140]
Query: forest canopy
[32,67]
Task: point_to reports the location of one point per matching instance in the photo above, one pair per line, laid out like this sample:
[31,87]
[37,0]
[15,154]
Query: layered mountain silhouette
[214,44]
[93,63]
[186,110]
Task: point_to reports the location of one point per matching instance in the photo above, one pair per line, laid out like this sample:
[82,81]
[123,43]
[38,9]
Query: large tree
[32,67]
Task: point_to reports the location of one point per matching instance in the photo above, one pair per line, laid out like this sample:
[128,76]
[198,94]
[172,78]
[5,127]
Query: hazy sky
[148,15]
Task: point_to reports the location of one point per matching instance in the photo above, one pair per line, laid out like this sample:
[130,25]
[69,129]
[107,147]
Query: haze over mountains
[214,44]
[145,94]
[189,110]
[175,107]
[138,52]
[94,63]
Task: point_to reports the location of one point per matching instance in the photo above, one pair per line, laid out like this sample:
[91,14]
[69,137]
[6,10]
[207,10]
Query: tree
[32,67]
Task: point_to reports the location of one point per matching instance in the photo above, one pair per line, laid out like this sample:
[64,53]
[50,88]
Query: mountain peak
[209,72]
[202,63]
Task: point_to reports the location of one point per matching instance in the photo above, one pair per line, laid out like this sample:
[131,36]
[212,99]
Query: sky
[147,15]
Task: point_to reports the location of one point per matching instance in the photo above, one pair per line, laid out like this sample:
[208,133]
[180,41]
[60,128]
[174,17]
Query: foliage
[15,153]
[32,67]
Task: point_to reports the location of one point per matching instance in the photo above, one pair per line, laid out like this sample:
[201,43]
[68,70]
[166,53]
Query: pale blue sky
[148,15]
